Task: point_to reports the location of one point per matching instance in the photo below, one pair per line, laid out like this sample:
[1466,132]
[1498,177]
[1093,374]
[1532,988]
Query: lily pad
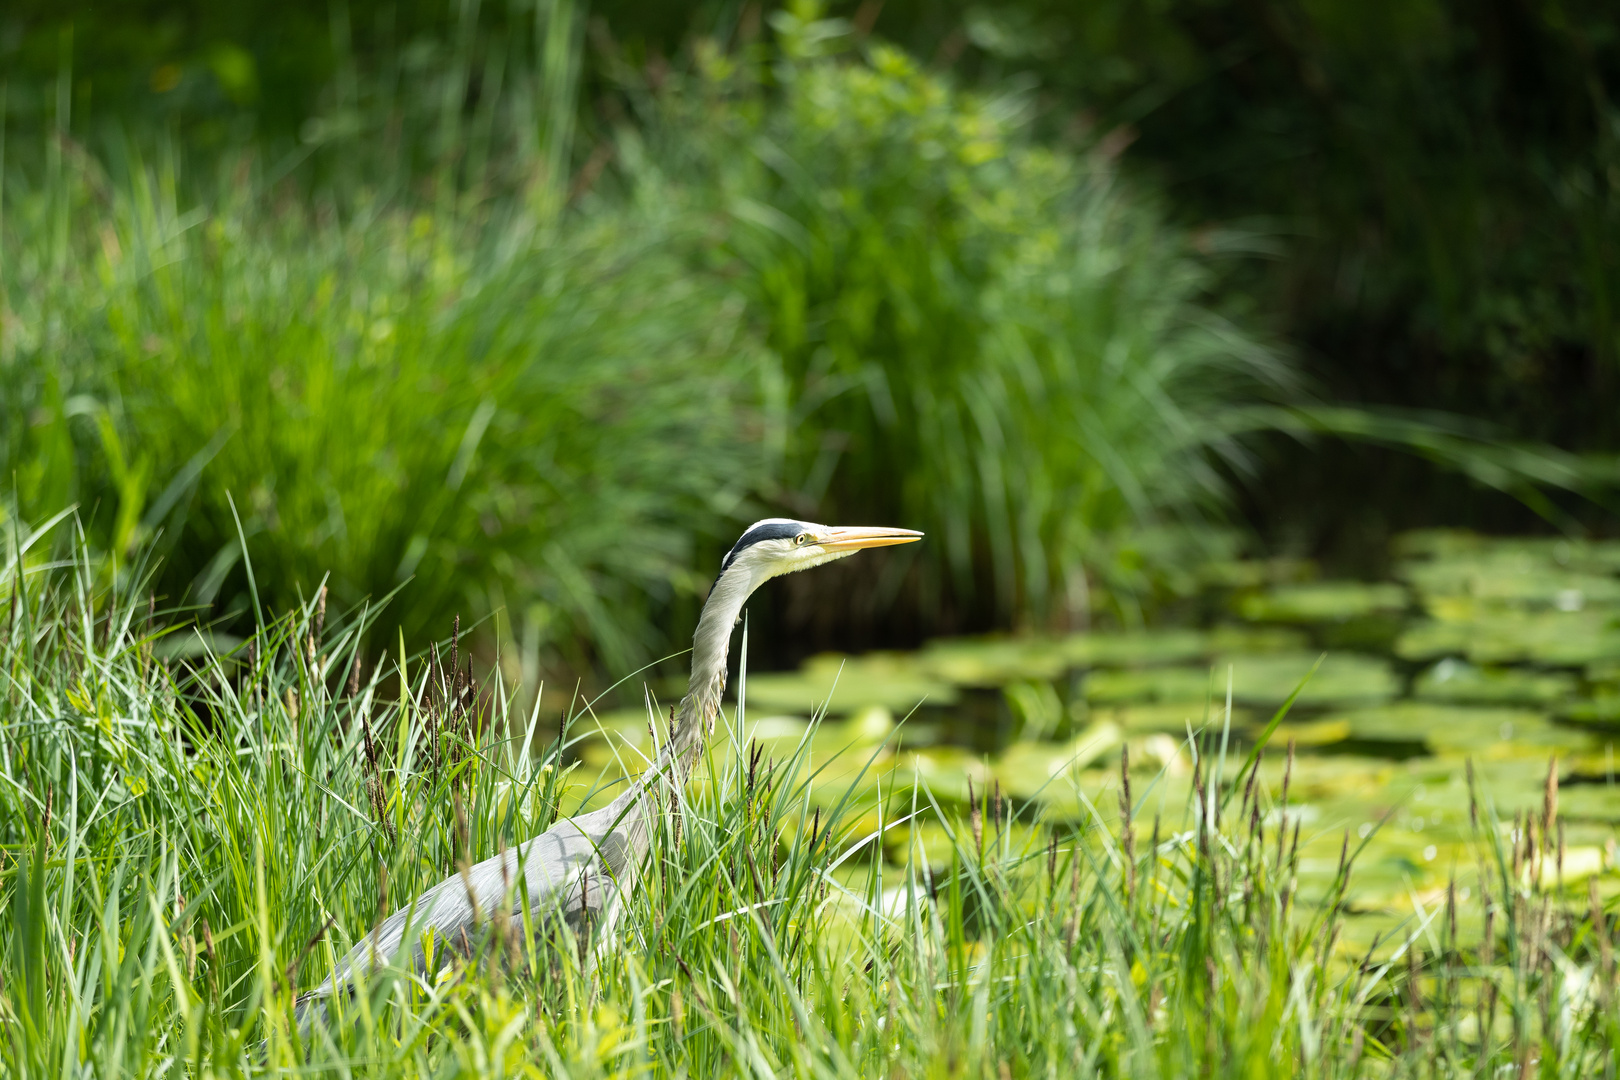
[1170,718]
[868,725]
[1433,638]
[1312,733]
[1437,543]
[1230,639]
[1149,684]
[846,684]
[1464,683]
[1029,770]
[1515,576]
[1342,679]
[992,661]
[1137,649]
[1459,730]
[1591,556]
[1266,680]
[1601,710]
[1590,803]
[942,770]
[1323,602]
[1553,638]
[1252,573]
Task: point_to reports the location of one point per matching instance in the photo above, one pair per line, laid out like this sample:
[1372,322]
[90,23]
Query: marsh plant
[1005,316]
[530,361]
[447,339]
[381,354]
[461,402]
[190,844]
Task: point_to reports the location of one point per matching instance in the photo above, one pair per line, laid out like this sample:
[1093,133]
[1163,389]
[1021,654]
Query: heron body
[584,868]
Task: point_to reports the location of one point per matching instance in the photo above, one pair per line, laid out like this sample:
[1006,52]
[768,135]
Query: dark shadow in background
[1440,179]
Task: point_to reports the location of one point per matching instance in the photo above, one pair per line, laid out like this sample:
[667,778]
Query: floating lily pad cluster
[1499,653]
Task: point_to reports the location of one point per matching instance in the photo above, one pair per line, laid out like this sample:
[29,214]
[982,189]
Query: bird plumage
[583,869]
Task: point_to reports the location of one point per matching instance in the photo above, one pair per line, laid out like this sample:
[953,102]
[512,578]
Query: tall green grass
[993,337]
[372,384]
[447,342]
[187,847]
[435,341]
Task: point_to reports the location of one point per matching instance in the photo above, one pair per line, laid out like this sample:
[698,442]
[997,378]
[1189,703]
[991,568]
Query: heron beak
[855,537]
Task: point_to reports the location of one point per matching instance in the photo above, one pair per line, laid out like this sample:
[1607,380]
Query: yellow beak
[855,537]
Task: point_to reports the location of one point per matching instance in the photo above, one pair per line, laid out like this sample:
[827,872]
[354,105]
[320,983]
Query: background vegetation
[428,342]
[324,324]
[1437,178]
[1441,176]
[1428,190]
[374,395]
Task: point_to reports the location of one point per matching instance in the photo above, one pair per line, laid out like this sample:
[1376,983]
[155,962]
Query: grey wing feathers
[580,865]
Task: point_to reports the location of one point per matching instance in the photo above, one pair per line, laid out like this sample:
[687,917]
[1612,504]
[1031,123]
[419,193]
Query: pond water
[1500,653]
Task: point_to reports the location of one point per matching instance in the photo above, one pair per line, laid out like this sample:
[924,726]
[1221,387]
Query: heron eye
[802,539]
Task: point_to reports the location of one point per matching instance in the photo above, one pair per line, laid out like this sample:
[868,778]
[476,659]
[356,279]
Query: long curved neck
[695,717]
[710,647]
[631,814]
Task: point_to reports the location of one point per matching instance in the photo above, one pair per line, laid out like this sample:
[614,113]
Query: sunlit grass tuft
[190,846]
[372,395]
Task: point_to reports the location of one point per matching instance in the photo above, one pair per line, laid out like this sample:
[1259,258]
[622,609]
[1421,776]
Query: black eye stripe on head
[774,530]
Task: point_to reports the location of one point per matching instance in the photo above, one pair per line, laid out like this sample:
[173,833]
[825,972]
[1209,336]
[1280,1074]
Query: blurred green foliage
[467,302]
[376,395]
[424,349]
[1450,172]
[1443,175]
[987,337]
[1442,179]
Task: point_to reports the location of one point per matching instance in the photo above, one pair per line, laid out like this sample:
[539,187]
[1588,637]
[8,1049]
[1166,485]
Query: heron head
[778,546]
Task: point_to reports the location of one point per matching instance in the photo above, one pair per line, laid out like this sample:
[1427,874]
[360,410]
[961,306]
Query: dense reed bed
[188,845]
[447,338]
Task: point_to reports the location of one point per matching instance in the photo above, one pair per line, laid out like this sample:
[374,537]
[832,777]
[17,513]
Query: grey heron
[583,869]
